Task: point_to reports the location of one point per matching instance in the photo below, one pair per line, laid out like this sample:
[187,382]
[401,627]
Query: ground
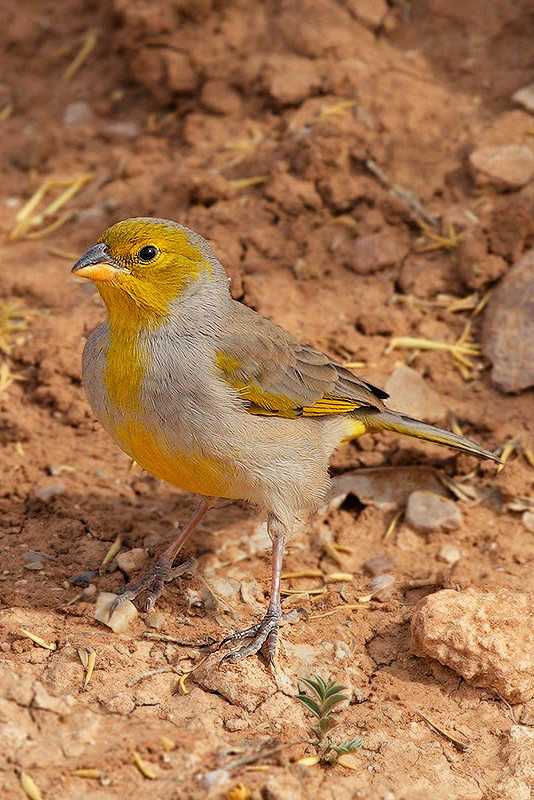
[323,148]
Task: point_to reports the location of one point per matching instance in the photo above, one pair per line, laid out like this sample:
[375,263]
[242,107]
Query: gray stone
[508,329]
[427,512]
[77,113]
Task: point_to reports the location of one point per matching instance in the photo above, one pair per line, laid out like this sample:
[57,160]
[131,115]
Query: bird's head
[147,263]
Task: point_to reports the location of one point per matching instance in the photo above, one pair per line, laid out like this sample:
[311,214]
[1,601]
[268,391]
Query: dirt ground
[259,125]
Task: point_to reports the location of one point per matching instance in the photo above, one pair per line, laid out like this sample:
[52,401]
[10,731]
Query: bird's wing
[274,374]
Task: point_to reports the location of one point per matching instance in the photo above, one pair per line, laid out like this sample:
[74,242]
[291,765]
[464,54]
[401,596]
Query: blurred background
[364,170]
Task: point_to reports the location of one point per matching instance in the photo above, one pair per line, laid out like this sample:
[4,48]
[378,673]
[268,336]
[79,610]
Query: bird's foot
[155,579]
[264,632]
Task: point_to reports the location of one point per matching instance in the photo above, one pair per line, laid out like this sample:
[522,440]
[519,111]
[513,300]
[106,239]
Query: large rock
[508,330]
[484,636]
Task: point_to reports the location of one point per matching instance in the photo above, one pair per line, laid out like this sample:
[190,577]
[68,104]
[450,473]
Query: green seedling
[325,697]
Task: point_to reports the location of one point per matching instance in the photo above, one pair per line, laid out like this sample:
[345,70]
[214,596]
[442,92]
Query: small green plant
[325,697]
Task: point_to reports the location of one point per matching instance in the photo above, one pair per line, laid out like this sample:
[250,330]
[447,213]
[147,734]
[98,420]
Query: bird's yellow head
[144,264]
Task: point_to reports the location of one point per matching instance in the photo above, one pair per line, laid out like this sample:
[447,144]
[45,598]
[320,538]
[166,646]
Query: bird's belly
[192,471]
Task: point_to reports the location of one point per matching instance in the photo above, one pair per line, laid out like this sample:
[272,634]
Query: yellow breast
[192,472]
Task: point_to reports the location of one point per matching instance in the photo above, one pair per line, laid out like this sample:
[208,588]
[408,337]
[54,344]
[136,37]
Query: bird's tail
[399,423]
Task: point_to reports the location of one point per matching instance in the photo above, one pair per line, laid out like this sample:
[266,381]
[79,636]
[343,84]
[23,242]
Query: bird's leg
[267,629]
[162,569]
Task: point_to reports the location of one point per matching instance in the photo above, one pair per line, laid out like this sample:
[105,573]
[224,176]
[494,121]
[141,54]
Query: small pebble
[450,554]
[426,512]
[132,560]
[379,564]
[54,470]
[155,620]
[122,130]
[77,113]
[47,493]
[528,520]
[525,97]
[122,616]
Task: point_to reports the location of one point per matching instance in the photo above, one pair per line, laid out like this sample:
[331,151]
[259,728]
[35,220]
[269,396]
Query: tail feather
[393,421]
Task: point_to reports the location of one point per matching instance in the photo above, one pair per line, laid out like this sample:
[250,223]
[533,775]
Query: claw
[264,631]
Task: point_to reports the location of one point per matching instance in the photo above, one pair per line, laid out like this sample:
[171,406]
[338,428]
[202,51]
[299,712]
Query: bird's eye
[148,253]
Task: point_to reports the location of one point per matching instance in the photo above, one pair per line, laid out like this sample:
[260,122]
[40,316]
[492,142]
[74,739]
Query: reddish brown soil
[219,92]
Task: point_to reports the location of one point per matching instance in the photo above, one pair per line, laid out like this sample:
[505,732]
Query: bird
[213,398]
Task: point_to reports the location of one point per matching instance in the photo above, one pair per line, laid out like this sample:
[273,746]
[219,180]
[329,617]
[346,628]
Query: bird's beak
[97,265]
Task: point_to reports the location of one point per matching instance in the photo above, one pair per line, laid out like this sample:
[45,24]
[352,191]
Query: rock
[77,113]
[409,393]
[478,268]
[484,636]
[219,98]
[369,12]
[122,616]
[449,554]
[47,493]
[155,620]
[427,512]
[376,251]
[132,560]
[231,684]
[507,167]
[525,97]
[508,329]
[528,520]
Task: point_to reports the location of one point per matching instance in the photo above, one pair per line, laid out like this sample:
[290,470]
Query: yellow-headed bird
[208,395]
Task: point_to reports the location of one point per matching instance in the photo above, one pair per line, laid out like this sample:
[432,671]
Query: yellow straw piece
[505,455]
[481,305]
[304,591]
[339,577]
[167,743]
[145,770]
[6,112]
[529,456]
[244,183]
[338,108]
[391,528]
[112,552]
[354,365]
[239,792]
[304,573]
[345,761]
[29,787]
[308,761]
[27,219]
[83,54]
[95,774]
[37,640]
[91,658]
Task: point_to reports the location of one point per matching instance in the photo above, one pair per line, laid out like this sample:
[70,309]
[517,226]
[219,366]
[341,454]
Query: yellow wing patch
[266,403]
